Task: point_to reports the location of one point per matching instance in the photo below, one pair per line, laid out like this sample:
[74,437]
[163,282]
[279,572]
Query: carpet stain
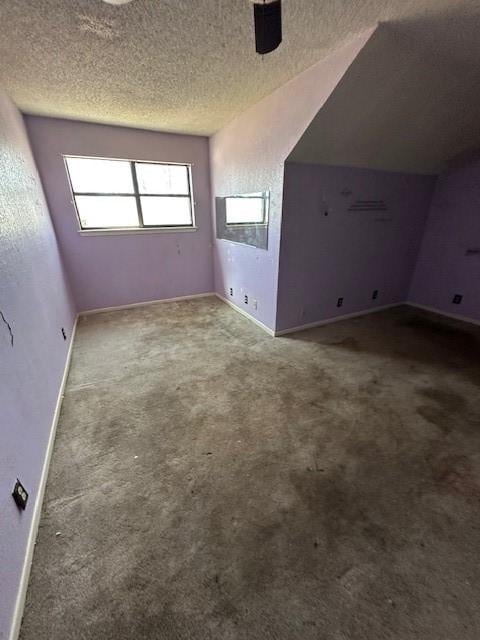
[444,409]
[455,475]
[346,343]
[449,401]
[451,341]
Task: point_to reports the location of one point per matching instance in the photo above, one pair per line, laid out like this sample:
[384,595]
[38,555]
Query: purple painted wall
[443,268]
[347,254]
[35,302]
[117,269]
[248,155]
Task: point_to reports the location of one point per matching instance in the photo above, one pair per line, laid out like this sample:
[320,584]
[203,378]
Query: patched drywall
[34,306]
[449,260]
[248,156]
[347,233]
[116,269]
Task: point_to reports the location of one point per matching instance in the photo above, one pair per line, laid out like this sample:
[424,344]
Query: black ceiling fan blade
[268,25]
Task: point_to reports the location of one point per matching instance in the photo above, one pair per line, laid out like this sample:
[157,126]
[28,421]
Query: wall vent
[368,205]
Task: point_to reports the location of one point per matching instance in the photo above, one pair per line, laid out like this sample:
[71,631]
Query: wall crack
[4,320]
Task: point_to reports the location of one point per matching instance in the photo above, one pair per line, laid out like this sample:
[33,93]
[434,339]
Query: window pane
[245,209]
[162,178]
[89,175]
[107,211]
[165,211]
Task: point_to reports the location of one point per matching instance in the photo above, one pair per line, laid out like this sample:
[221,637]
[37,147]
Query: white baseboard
[453,316]
[90,312]
[347,316]
[37,510]
[310,325]
[270,332]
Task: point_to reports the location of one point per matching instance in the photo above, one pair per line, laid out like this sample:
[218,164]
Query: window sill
[245,225]
[121,232]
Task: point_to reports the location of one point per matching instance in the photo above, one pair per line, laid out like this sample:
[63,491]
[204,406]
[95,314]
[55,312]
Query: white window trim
[100,231]
[135,230]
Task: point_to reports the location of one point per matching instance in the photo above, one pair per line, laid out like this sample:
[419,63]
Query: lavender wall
[35,302]
[346,254]
[248,155]
[111,270]
[443,268]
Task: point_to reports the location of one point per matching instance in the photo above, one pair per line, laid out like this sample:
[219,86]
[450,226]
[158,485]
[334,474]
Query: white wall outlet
[254,304]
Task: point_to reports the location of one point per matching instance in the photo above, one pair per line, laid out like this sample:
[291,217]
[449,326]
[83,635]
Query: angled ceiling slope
[397,108]
[266,133]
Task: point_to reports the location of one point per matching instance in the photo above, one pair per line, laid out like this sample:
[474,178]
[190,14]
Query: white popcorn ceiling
[190,65]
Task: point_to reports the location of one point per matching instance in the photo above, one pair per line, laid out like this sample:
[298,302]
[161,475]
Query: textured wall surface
[444,268]
[110,270]
[248,156]
[34,304]
[346,253]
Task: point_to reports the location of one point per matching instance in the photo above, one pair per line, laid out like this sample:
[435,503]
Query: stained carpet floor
[212,483]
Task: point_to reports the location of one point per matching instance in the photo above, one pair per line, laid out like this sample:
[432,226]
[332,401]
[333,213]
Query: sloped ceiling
[190,65]
[401,106]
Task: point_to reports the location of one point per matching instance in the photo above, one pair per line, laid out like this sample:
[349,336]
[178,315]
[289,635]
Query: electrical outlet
[20,495]
[231,291]
[457,298]
[339,302]
[375,294]
[254,304]
[64,334]
[245,299]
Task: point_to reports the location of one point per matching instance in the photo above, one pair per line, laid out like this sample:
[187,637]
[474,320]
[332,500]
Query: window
[249,208]
[123,194]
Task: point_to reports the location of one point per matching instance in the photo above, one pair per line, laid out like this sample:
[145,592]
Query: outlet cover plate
[20,495]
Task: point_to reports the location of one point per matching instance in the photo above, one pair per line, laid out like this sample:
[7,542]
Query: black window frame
[136,194]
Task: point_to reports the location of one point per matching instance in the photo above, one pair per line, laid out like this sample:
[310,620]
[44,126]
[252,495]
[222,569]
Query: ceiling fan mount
[267,17]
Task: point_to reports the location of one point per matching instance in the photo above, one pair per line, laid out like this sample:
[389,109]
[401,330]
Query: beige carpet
[211,482]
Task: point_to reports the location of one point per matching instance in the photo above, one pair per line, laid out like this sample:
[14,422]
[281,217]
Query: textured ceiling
[189,65]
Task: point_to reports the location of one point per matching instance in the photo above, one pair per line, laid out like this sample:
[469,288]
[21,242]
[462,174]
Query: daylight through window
[124,194]
[249,208]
